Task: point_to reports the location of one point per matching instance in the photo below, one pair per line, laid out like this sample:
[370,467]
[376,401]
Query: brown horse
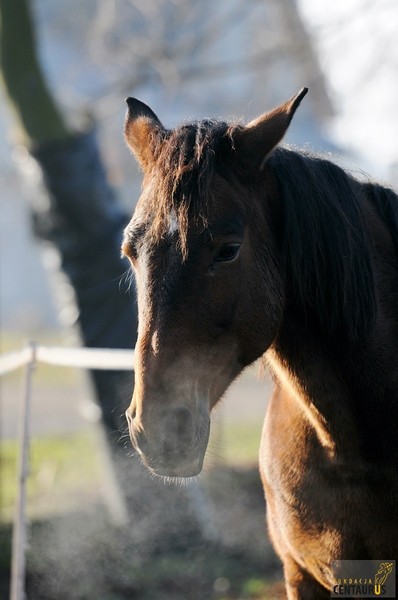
[243,248]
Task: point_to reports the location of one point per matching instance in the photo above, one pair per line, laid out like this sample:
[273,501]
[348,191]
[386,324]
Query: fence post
[19,535]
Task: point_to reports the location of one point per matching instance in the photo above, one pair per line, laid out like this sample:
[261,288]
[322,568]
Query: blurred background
[99,526]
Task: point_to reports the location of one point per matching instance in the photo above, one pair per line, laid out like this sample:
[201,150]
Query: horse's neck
[349,394]
[304,371]
[341,395]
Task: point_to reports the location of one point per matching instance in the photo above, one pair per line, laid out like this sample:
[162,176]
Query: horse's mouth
[176,469]
[178,473]
[173,466]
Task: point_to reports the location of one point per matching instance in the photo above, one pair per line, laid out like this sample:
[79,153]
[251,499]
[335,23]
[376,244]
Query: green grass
[235,444]
[62,471]
[241,443]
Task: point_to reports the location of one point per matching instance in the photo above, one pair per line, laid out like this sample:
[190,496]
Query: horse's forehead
[223,205]
[227,200]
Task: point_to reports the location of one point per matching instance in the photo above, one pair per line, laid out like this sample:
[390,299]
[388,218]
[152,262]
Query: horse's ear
[260,136]
[142,129]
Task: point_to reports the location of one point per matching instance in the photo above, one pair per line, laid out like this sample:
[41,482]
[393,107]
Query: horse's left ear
[142,130]
[260,136]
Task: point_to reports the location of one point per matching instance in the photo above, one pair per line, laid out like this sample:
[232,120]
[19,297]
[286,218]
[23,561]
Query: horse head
[203,246]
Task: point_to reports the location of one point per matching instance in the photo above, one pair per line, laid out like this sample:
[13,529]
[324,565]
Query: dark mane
[326,242]
[185,161]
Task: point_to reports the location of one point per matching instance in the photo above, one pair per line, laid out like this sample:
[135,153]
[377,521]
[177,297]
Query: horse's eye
[227,253]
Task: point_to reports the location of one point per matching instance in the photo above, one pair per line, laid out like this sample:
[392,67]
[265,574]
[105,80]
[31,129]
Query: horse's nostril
[182,419]
[180,426]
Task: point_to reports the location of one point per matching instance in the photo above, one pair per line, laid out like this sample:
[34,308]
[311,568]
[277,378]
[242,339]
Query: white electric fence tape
[14,360]
[107,359]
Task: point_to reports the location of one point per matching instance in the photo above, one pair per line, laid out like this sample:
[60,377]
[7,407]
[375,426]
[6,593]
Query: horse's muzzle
[172,443]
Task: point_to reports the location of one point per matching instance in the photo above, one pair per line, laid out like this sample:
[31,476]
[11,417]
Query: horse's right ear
[142,130]
[260,136]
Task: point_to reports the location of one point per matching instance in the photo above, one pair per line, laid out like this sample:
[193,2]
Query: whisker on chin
[179,481]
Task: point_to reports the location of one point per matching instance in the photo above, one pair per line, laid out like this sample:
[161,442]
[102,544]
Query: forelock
[185,160]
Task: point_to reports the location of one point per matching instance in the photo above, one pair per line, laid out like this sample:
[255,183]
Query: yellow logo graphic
[381,576]
[354,579]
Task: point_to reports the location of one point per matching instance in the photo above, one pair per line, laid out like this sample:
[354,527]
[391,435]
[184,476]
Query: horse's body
[243,250]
